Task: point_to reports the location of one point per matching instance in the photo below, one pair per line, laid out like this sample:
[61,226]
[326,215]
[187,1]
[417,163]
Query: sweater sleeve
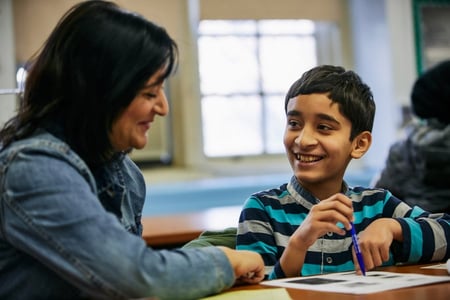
[425,235]
[255,232]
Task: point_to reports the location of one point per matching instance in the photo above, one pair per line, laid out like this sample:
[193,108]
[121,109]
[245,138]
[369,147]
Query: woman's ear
[361,143]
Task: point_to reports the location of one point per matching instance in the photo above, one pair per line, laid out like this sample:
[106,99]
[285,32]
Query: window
[246,68]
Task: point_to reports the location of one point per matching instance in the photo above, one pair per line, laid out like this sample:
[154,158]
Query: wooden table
[174,230]
[439,291]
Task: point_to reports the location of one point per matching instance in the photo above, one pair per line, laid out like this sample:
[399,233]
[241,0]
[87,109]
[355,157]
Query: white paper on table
[438,267]
[351,283]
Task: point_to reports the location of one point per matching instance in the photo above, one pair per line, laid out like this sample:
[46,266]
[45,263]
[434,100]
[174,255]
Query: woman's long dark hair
[89,70]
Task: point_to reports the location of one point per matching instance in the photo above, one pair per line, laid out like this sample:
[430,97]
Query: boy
[303,227]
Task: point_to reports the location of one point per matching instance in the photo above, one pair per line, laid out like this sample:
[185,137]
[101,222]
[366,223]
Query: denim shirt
[69,233]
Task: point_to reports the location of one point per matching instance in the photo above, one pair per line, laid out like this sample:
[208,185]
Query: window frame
[328,50]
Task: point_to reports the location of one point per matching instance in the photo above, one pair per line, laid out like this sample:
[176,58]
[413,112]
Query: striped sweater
[270,217]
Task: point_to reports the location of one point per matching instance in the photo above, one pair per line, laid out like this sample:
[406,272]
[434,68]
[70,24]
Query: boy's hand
[323,218]
[375,241]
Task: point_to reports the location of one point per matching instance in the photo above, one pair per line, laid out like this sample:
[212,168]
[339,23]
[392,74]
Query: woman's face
[130,129]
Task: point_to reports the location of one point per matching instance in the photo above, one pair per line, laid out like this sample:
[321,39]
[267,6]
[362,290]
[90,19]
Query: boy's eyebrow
[320,116]
[328,118]
[293,113]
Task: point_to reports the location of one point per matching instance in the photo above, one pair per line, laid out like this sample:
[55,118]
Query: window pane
[232,126]
[286,27]
[242,62]
[284,59]
[220,27]
[275,124]
[228,65]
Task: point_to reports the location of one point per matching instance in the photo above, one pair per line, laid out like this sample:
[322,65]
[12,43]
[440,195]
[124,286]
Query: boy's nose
[305,138]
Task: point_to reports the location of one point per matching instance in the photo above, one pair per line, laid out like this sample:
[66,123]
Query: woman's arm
[52,214]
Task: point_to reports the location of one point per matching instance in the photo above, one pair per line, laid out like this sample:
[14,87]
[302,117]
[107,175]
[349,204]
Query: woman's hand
[248,266]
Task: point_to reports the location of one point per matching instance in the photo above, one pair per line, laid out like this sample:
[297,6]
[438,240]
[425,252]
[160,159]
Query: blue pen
[357,251]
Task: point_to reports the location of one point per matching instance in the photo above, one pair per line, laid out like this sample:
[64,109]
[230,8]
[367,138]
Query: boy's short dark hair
[354,97]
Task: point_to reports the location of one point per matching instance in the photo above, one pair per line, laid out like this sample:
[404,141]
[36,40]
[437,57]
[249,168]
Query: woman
[71,198]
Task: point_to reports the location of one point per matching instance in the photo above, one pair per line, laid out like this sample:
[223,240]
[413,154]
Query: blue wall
[202,194]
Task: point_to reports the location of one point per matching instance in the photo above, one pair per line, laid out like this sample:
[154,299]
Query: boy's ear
[361,143]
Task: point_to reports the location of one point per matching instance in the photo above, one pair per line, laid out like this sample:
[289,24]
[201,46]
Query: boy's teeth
[307,158]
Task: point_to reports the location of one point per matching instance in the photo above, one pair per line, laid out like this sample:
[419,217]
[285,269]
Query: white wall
[383,47]
[7,62]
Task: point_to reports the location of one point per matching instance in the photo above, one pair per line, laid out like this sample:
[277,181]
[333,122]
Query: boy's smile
[317,142]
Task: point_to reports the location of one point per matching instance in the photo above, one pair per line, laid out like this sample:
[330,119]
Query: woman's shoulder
[39,140]
[41,148]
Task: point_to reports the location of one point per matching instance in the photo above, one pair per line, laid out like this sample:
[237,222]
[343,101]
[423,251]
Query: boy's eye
[324,127]
[293,123]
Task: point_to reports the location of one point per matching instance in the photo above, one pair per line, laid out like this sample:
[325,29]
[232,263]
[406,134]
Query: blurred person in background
[417,169]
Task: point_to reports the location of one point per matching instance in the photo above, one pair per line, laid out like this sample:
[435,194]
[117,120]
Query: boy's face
[317,142]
